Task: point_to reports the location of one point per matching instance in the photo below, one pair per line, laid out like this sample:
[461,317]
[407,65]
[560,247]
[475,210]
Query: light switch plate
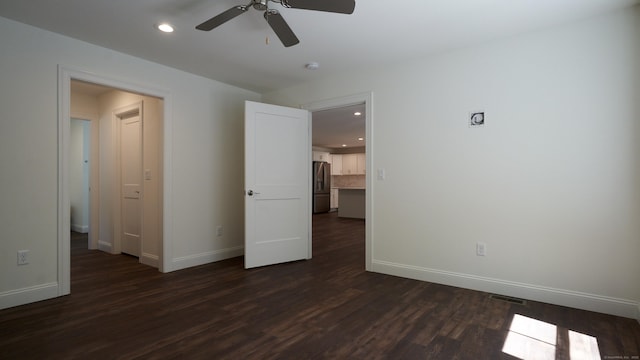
[481,249]
[23,257]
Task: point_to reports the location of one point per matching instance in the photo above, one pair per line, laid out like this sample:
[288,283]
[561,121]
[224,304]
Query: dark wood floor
[325,308]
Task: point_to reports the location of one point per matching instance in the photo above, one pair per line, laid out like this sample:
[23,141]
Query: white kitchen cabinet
[349,164]
[354,164]
[336,164]
[334,198]
[321,156]
[361,166]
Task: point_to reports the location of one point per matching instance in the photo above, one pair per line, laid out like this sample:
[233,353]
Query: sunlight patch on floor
[531,339]
[583,346]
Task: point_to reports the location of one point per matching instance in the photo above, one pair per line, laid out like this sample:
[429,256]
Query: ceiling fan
[273,17]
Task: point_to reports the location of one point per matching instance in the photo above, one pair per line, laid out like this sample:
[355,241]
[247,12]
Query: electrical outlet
[219,230]
[23,258]
[481,249]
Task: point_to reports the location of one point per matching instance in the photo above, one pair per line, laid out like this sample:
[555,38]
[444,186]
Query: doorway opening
[339,142]
[125,150]
[100,102]
[342,129]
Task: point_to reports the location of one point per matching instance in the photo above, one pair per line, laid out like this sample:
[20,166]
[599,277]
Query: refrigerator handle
[320,177]
[326,178]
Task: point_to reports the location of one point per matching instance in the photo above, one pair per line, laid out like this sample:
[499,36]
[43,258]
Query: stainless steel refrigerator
[321,187]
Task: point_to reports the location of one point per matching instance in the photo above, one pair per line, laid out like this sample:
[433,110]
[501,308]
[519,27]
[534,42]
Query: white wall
[206,136]
[551,183]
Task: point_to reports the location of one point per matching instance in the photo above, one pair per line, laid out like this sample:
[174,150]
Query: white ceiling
[237,53]
[378,32]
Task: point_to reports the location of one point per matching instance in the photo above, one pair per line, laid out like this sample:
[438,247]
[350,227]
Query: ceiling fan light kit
[275,19]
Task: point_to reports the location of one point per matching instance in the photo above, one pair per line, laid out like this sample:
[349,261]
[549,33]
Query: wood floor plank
[324,308]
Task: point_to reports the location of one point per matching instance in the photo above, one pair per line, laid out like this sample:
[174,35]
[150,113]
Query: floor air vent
[509,299]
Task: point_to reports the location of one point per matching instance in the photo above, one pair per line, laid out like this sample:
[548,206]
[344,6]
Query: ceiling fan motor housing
[260,4]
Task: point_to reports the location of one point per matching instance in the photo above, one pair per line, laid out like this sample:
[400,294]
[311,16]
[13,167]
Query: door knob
[251,192]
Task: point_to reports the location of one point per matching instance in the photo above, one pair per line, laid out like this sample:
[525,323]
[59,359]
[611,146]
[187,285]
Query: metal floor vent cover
[508,299]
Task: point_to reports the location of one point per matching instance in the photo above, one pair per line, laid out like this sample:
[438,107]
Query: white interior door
[277,184]
[131,165]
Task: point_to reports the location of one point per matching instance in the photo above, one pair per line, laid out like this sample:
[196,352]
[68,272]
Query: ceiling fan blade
[281,28]
[336,6]
[221,18]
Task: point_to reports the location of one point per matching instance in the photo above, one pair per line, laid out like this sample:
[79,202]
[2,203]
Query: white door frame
[367,99]
[65,75]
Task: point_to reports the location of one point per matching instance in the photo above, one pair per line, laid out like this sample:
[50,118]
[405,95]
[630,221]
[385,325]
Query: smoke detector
[312,66]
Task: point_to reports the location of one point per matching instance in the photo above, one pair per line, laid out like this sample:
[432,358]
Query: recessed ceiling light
[357,113]
[344,145]
[164,27]
[360,139]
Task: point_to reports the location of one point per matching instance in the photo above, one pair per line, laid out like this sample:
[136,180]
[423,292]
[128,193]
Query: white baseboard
[28,295]
[205,258]
[574,299]
[150,260]
[104,246]
[80,228]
